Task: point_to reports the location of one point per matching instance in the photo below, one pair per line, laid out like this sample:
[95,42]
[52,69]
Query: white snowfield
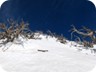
[94,2]
[2,1]
[2,70]
[28,56]
[94,69]
[58,57]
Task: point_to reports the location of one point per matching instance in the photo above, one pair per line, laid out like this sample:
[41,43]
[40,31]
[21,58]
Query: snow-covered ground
[27,57]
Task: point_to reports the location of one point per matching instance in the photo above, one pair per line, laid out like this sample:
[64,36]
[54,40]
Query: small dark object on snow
[43,50]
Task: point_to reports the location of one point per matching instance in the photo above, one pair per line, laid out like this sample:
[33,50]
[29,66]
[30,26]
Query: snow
[25,57]
[2,1]
[94,2]
[94,70]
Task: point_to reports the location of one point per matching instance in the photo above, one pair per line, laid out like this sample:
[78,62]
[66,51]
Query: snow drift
[46,55]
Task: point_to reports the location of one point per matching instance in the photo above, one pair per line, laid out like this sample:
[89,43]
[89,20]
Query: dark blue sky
[54,15]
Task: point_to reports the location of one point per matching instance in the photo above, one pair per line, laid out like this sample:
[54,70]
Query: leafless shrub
[13,31]
[87,44]
[51,34]
[61,39]
[87,33]
[78,40]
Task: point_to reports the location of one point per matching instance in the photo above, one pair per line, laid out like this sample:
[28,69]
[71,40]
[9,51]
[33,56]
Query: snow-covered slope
[46,55]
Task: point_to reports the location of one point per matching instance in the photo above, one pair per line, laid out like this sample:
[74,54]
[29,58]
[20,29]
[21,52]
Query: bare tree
[86,33]
[12,31]
[89,33]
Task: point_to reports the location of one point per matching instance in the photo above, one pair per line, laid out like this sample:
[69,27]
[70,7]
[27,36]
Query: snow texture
[58,57]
